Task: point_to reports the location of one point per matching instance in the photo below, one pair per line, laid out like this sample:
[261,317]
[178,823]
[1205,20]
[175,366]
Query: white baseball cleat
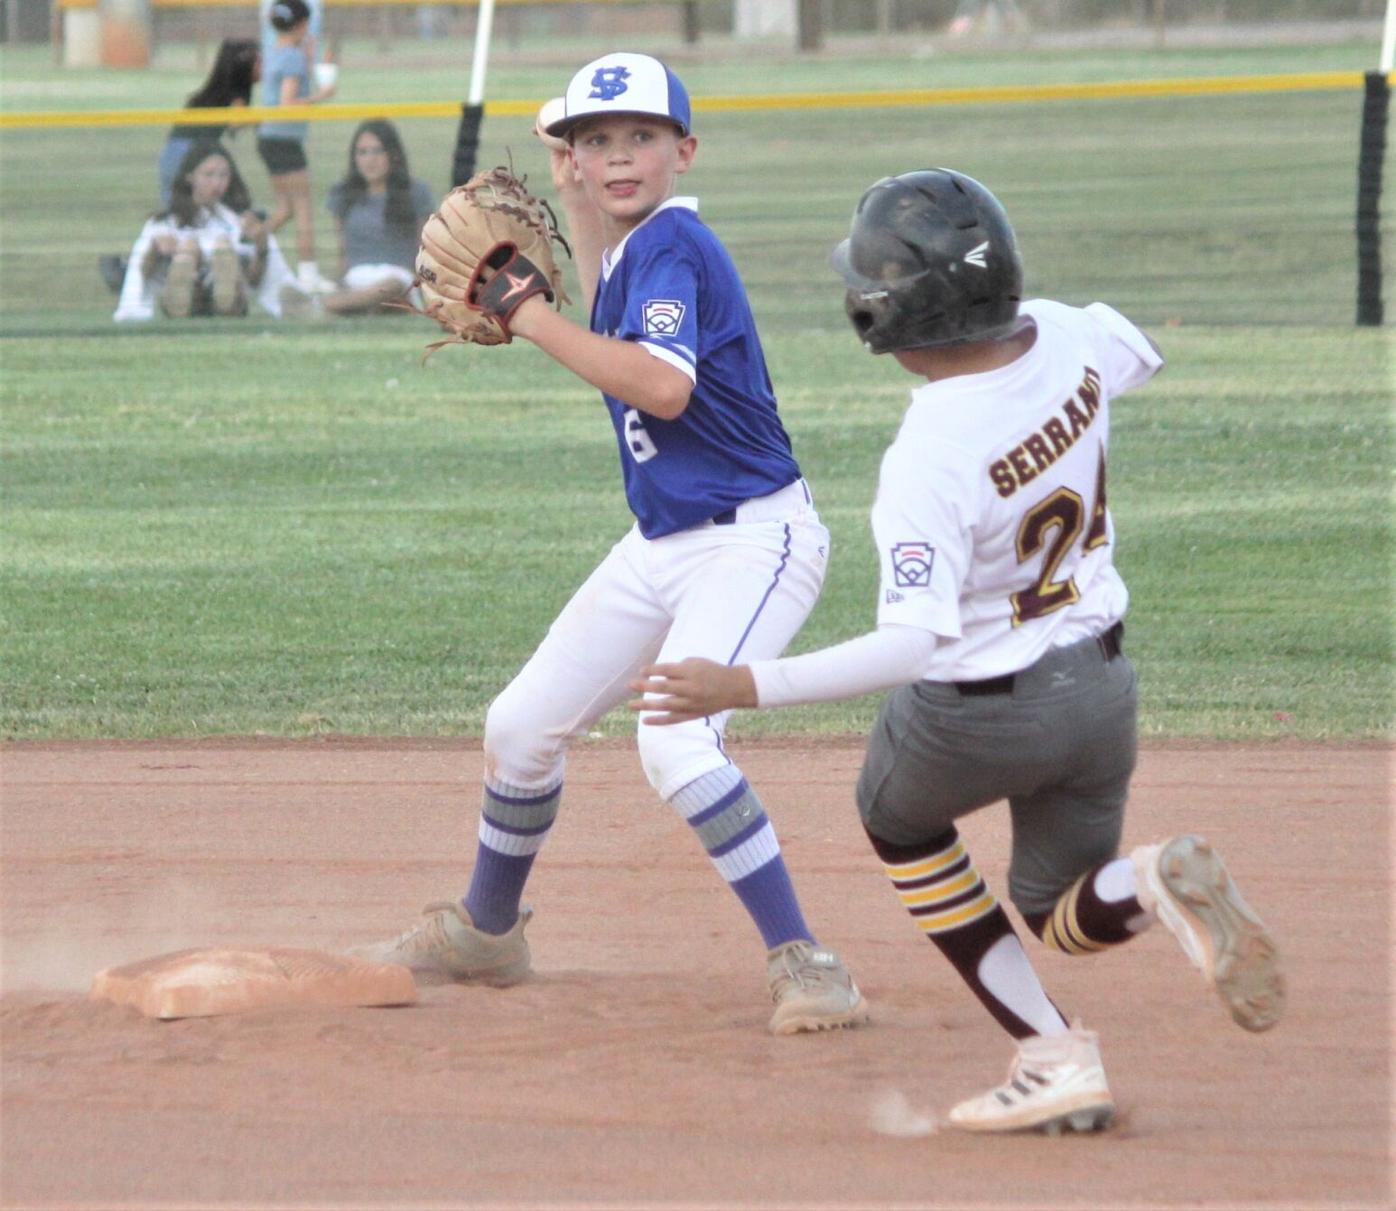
[812,990]
[1056,1084]
[446,947]
[1186,884]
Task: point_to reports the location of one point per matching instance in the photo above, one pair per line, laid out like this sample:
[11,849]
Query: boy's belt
[1111,644]
[777,506]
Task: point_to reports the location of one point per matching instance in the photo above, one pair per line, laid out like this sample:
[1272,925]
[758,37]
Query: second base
[220,980]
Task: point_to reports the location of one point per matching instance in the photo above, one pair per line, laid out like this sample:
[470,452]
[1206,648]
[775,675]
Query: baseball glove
[487,249]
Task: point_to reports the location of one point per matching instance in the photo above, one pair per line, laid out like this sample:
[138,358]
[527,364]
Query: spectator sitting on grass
[379,211]
[208,253]
[236,68]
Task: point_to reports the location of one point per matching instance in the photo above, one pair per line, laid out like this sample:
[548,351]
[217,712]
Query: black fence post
[1375,106]
[467,142]
[811,19]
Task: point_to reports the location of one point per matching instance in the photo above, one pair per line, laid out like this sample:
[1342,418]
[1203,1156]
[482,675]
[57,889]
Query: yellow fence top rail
[1182,86]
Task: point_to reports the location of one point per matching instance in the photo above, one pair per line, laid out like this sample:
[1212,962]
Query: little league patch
[911,564]
[663,317]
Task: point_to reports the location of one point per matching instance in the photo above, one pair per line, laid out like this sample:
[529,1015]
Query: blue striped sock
[734,829]
[496,888]
[514,823]
[769,897]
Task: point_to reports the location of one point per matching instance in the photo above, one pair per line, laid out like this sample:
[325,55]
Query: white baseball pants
[730,593]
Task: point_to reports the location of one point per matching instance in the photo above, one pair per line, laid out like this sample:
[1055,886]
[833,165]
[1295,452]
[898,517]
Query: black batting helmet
[930,259]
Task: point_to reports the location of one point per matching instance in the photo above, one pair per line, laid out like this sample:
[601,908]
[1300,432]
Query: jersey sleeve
[880,660]
[923,543]
[661,309]
[1128,358]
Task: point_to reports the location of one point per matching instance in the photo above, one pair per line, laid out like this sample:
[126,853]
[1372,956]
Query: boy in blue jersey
[726,558]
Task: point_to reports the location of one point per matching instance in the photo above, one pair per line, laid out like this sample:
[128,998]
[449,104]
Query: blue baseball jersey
[671,286]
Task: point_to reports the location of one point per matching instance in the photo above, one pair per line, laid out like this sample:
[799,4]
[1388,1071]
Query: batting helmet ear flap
[860,314]
[930,259]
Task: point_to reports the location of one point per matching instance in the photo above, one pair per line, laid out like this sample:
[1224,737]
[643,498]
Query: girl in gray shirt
[379,211]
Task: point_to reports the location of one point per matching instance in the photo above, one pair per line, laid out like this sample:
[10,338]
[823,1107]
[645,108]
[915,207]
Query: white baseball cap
[623,83]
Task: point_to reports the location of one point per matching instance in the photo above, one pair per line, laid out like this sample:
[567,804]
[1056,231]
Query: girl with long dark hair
[236,68]
[207,252]
[379,211]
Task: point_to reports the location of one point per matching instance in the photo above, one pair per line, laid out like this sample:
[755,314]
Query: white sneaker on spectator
[310,279]
[297,303]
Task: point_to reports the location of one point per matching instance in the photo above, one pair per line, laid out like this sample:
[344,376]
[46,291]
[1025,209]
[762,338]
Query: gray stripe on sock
[522,815]
[738,815]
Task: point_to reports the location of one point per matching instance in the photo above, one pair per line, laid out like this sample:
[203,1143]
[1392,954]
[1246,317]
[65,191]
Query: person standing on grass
[727,554]
[236,68]
[1000,635]
[286,83]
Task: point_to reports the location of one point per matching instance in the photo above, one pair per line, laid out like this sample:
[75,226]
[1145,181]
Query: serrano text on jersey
[1039,451]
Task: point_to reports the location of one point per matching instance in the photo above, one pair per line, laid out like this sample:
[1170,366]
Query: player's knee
[516,747]
[655,751]
[673,756]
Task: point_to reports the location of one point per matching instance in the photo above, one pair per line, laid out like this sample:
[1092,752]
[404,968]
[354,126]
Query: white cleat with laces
[445,947]
[1056,1084]
[812,990]
[1185,883]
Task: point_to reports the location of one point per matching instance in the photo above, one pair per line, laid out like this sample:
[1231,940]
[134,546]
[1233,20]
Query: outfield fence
[1196,200]
[883,99]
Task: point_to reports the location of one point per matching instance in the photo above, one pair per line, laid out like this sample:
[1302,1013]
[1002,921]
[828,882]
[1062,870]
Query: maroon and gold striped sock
[1084,921]
[939,886]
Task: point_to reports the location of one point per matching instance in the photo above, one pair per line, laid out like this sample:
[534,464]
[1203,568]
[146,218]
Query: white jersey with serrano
[991,520]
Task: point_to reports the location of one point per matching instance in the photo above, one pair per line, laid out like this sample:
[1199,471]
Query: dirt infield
[633,1068]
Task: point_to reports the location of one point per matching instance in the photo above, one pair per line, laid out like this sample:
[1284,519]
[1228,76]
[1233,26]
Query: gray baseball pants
[1059,745]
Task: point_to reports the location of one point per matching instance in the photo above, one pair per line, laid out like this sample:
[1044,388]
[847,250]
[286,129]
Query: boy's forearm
[583,221]
[588,242]
[619,368]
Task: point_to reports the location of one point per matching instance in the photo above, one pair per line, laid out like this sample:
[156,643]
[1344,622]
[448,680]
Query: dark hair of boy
[287,14]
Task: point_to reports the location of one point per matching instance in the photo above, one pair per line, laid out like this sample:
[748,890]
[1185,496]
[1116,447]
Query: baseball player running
[726,558]
[999,625]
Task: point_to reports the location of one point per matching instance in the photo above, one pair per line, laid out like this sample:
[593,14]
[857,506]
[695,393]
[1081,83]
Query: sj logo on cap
[609,82]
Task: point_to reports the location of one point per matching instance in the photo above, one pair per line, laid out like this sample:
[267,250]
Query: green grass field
[240,526]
